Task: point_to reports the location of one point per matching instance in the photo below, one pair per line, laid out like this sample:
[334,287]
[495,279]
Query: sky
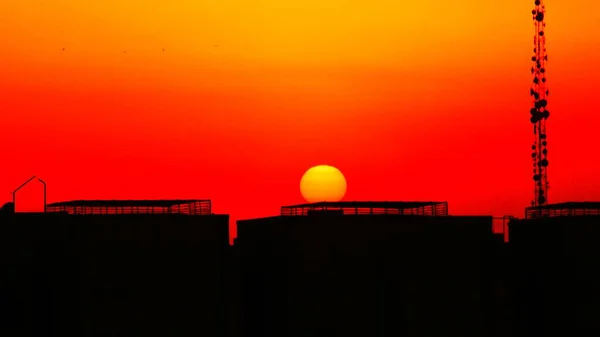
[411,100]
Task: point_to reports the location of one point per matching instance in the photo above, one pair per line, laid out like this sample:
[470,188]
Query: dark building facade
[165,268]
[115,268]
[554,262]
[368,269]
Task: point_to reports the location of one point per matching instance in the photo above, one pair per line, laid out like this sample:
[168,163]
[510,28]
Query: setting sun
[323,183]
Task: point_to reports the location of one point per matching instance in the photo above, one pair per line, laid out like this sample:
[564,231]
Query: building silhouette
[555,281]
[165,268]
[368,269]
[115,268]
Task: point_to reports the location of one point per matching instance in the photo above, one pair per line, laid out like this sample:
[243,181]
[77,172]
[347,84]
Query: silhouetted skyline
[155,130]
[376,268]
[246,97]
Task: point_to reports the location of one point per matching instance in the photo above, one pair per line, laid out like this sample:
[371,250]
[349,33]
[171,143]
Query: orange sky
[423,99]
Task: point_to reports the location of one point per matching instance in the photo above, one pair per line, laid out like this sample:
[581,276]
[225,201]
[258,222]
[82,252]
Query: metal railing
[432,209]
[199,207]
[542,212]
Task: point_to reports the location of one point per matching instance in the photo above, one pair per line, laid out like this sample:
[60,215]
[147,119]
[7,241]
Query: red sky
[411,100]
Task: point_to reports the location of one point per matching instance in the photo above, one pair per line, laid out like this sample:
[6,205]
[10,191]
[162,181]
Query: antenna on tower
[539,112]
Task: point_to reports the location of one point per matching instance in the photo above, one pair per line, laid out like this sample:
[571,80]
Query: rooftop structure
[146,272]
[427,208]
[563,209]
[350,274]
[176,206]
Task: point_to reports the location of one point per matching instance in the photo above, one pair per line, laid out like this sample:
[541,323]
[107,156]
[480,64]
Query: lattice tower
[539,112]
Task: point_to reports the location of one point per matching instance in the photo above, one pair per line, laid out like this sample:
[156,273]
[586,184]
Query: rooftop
[168,206]
[370,208]
[579,208]
[123,203]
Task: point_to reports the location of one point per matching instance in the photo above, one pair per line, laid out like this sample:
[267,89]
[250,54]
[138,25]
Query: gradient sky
[411,100]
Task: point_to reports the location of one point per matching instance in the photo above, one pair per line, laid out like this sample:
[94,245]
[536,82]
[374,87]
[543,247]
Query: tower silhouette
[539,112]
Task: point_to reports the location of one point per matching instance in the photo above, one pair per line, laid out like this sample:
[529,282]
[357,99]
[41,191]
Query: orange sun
[323,183]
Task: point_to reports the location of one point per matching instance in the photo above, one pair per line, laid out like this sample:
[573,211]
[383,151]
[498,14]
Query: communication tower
[539,112]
